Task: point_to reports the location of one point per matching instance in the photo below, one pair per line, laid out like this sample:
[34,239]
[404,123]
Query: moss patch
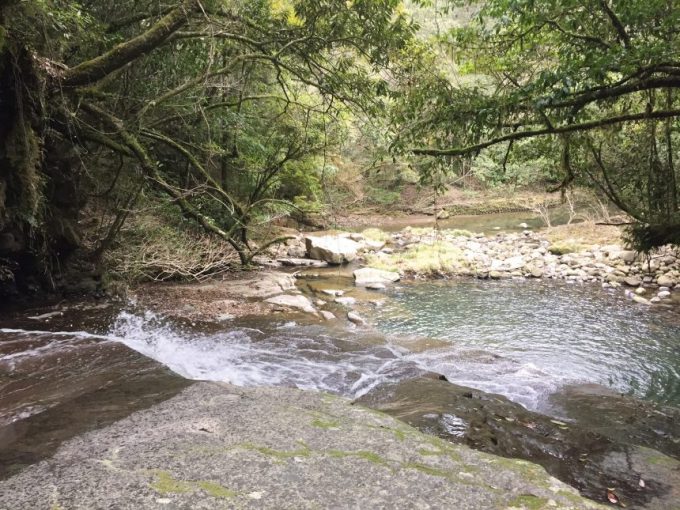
[564,247]
[528,501]
[375,234]
[215,489]
[372,457]
[166,484]
[325,424]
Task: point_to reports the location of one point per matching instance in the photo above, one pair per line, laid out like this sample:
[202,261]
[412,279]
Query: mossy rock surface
[219,446]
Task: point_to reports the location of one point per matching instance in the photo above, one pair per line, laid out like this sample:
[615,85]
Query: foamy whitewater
[345,362]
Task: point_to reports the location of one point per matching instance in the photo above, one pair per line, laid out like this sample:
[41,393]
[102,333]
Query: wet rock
[640,291]
[293,262]
[664,294]
[376,286]
[640,300]
[356,318]
[346,301]
[329,316]
[537,272]
[332,249]
[298,302]
[577,455]
[369,275]
[45,316]
[333,292]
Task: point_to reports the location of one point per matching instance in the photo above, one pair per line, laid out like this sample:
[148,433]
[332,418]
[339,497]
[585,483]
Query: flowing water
[522,339]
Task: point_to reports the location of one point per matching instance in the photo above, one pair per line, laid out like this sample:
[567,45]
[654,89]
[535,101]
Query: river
[532,341]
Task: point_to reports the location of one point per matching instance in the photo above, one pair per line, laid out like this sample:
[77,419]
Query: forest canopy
[226,110]
[598,79]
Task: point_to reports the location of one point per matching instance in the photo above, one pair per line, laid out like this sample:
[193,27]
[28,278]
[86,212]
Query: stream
[530,341]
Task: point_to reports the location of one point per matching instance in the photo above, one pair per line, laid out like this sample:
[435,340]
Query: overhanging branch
[569,128]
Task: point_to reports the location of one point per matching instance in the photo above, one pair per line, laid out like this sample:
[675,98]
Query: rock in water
[641,300]
[536,272]
[356,318]
[332,249]
[368,275]
[298,302]
[329,316]
[346,301]
[376,286]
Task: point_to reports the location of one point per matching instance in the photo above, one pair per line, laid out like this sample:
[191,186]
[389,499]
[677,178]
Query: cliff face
[40,177]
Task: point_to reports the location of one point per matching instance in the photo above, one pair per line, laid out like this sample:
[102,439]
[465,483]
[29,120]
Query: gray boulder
[665,281]
[332,249]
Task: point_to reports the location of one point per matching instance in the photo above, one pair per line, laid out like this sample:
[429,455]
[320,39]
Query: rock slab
[368,275]
[219,446]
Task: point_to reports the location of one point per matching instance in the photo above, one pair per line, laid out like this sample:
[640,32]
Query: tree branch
[568,128]
[92,70]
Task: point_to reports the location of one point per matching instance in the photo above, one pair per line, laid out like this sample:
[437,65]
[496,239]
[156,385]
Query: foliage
[225,108]
[597,79]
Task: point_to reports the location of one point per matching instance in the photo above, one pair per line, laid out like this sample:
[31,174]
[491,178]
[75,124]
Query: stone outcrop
[220,446]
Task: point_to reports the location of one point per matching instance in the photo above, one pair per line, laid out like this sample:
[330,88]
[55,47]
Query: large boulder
[332,249]
[368,275]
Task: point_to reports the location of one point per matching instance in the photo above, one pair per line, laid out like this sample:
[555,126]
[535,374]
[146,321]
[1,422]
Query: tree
[205,102]
[592,75]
